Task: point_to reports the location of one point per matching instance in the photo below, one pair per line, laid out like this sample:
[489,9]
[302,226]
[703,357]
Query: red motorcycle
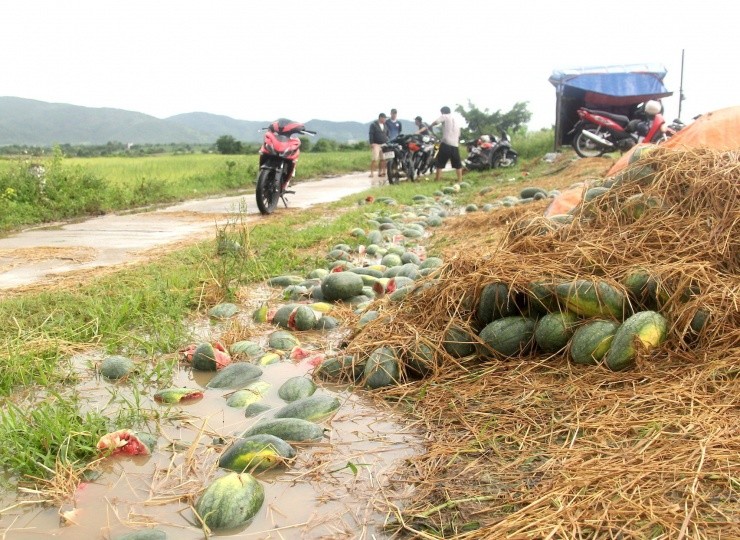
[278,156]
[599,132]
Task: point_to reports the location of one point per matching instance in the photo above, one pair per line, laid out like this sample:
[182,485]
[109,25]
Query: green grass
[72,188]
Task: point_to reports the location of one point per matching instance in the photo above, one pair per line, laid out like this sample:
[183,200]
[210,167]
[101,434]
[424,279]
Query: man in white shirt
[448,148]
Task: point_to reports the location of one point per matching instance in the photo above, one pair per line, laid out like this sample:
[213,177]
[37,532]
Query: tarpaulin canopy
[614,88]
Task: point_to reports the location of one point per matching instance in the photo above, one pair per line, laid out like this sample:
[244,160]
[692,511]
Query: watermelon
[644,331]
[284,281]
[431,262]
[327,323]
[419,358]
[541,297]
[235,376]
[507,336]
[458,342]
[313,408]
[496,301]
[288,429]
[260,314]
[341,286]
[530,192]
[253,409]
[592,298]
[282,315]
[553,331]
[331,369]
[302,318]
[223,311]
[247,349]
[296,388]
[230,501]
[644,288]
[177,395]
[591,341]
[248,395]
[207,357]
[256,453]
[282,340]
[381,368]
[116,367]
[699,320]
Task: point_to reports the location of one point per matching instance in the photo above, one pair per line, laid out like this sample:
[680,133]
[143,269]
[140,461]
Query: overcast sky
[351,59]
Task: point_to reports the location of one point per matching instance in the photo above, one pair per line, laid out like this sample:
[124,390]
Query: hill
[39,123]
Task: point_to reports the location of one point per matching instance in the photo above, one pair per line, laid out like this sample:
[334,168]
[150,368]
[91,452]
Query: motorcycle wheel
[503,159]
[268,191]
[410,168]
[584,146]
[419,164]
[392,171]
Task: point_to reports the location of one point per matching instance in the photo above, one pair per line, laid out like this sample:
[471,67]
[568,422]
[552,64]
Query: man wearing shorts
[448,147]
[378,137]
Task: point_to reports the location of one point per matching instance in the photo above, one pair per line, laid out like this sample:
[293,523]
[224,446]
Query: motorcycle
[503,154]
[424,158]
[399,156]
[490,152]
[278,156]
[599,132]
[479,154]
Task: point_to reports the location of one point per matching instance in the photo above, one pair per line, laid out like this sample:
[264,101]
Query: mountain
[38,123]
[31,122]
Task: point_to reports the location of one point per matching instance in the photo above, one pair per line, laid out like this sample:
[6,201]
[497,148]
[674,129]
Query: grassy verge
[58,188]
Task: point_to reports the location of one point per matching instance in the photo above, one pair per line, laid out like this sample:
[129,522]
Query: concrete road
[44,254]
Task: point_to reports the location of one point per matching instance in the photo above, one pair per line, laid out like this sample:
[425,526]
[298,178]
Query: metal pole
[681,97]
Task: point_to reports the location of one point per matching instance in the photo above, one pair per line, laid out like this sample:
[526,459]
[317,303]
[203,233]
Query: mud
[42,254]
[334,489]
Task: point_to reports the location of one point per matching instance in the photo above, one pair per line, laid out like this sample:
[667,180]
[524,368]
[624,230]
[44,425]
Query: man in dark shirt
[394,125]
[378,136]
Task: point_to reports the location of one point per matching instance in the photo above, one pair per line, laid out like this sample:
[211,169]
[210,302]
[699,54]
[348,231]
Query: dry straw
[537,447]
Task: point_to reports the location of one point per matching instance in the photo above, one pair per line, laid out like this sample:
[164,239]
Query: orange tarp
[719,130]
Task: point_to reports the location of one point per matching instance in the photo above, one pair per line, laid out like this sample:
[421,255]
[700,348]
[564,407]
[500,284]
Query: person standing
[378,137]
[394,125]
[449,144]
[422,128]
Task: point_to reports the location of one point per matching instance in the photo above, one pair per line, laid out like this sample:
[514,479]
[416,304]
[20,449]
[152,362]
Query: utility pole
[681,97]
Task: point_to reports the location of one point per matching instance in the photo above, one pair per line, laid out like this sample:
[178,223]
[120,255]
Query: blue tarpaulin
[609,87]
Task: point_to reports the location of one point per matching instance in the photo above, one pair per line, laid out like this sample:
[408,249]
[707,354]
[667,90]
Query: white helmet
[485,138]
[653,107]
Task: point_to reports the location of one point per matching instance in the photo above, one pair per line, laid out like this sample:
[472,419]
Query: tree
[324,145]
[226,144]
[487,123]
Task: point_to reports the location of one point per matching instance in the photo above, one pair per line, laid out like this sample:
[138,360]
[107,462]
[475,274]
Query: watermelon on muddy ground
[230,501]
[256,453]
[313,408]
[235,376]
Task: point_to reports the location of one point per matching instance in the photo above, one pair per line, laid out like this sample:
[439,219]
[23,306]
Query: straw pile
[537,447]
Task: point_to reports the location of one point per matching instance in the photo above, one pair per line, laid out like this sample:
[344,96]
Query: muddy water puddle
[335,488]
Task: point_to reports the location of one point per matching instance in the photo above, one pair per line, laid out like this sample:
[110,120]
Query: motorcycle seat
[619,118]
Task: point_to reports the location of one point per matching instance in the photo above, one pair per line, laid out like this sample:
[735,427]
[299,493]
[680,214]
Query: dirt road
[43,255]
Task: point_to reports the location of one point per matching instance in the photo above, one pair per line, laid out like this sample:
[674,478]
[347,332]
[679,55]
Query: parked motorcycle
[278,156]
[399,156]
[503,154]
[425,156]
[599,132]
[490,152]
